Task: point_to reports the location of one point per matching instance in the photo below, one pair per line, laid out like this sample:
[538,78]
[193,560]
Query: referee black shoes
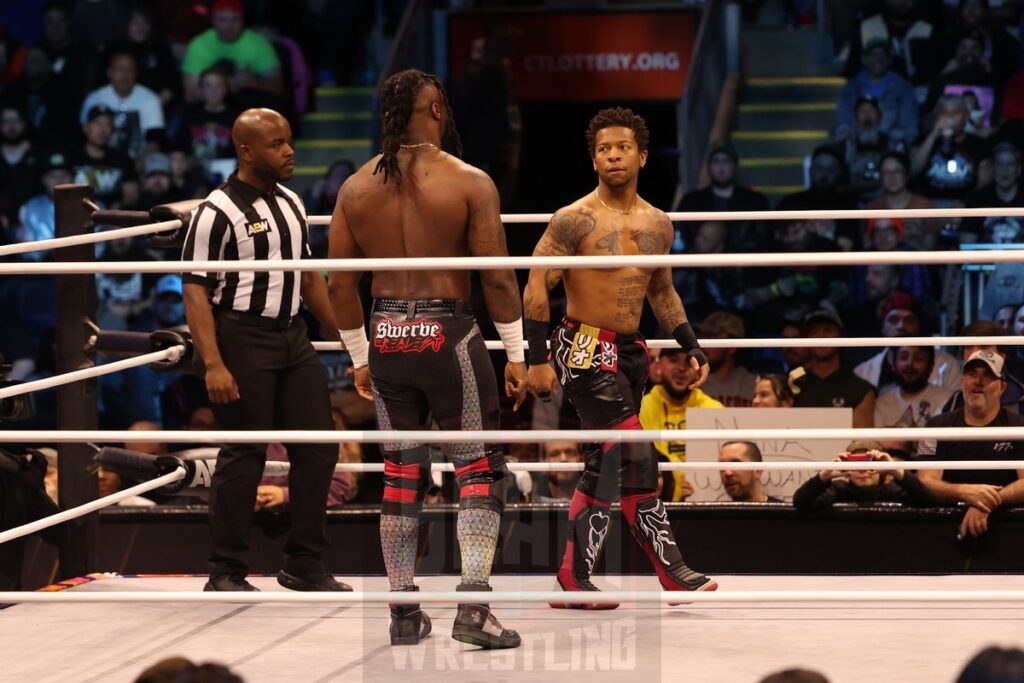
[319,582]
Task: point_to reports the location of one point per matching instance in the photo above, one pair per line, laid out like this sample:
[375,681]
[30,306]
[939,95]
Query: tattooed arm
[665,301]
[661,293]
[563,235]
[564,232]
[668,307]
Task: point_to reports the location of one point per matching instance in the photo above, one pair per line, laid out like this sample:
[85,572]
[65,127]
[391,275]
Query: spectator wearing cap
[743,486]
[729,383]
[893,94]
[138,115]
[900,24]
[108,171]
[829,177]
[894,167]
[825,381]
[863,147]
[900,318]
[912,399]
[35,217]
[166,309]
[157,187]
[1004,191]
[725,193]
[861,487]
[1013,398]
[251,60]
[983,491]
[665,406]
[950,162]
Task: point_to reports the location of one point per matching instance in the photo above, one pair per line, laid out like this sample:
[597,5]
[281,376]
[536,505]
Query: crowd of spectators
[136,99]
[143,116]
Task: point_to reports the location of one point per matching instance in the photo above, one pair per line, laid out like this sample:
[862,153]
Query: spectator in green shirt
[249,58]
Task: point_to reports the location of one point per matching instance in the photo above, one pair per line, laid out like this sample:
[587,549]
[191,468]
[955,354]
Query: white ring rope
[276,468]
[787,342]
[693,216]
[515,436]
[91,506]
[88,238]
[525,262]
[171,353]
[834,214]
[779,597]
[281,467]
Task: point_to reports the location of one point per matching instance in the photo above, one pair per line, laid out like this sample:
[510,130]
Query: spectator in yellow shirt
[664,407]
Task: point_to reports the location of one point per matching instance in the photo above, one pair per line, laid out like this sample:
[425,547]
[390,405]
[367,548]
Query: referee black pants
[282,385]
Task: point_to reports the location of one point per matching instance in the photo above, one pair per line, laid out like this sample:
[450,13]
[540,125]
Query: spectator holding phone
[860,486]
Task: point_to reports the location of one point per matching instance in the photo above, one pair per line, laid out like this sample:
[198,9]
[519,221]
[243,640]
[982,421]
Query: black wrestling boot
[476,625]
[588,527]
[409,624]
[649,523]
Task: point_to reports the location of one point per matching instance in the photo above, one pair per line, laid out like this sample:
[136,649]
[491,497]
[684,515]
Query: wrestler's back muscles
[427,217]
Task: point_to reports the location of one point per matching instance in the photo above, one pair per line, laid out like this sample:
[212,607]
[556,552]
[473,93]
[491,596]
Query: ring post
[76,402]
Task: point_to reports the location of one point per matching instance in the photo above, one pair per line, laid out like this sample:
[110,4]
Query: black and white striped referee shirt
[238,223]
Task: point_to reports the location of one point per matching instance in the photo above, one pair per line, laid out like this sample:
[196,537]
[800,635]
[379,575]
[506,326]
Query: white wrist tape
[512,339]
[356,345]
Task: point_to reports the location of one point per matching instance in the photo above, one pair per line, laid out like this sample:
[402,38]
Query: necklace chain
[612,208]
[418,145]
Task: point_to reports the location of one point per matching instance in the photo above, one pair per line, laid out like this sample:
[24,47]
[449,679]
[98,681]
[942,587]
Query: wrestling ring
[107,627]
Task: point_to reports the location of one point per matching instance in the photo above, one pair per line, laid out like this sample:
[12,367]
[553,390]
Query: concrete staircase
[786,107]
[341,128]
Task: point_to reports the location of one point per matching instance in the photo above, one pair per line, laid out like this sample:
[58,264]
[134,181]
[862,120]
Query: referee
[261,371]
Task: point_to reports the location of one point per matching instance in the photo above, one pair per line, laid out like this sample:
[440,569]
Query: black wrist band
[685,336]
[688,341]
[537,341]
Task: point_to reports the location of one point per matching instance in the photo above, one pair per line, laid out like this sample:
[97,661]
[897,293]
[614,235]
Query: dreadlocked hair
[397,98]
[618,116]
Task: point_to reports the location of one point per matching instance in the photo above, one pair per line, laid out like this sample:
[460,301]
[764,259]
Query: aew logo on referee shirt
[257,227]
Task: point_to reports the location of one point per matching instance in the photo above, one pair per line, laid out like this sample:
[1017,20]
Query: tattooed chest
[624,240]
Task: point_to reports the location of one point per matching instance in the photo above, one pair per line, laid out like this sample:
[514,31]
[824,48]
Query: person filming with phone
[860,486]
